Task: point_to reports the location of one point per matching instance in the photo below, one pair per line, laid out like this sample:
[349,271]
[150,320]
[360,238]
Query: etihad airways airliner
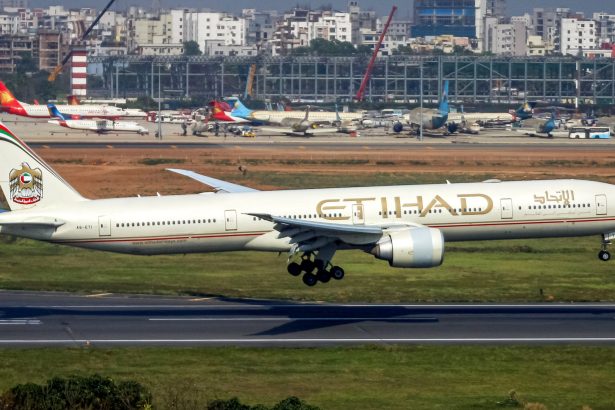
[404,225]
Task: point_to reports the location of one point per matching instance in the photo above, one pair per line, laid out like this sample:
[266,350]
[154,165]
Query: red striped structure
[78,72]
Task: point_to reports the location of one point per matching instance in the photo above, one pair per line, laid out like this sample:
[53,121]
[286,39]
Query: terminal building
[489,79]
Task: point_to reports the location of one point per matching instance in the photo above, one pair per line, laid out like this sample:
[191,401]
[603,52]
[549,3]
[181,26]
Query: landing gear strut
[604,255]
[316,267]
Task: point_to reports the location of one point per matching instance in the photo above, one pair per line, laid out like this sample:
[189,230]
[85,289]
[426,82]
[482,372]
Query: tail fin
[54,113]
[7,99]
[444,108]
[26,180]
[525,111]
[73,100]
[240,110]
[307,113]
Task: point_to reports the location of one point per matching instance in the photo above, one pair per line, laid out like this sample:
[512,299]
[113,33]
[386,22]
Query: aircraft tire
[337,273]
[294,269]
[604,256]
[307,266]
[310,279]
[324,276]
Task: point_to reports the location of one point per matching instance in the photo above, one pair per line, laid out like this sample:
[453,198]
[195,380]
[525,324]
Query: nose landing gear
[316,267]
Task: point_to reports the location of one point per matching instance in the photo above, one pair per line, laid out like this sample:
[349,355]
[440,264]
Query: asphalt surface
[52,319]
[38,133]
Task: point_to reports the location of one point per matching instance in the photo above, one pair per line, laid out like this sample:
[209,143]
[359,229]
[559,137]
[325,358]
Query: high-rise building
[460,18]
[577,35]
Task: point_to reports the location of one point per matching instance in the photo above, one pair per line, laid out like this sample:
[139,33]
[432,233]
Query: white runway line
[286,319]
[20,322]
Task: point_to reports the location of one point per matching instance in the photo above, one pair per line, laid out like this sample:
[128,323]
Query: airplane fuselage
[279,117]
[81,111]
[221,222]
[482,117]
[101,126]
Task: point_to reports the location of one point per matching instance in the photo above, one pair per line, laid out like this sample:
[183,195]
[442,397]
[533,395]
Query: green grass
[494,271]
[412,377]
[159,161]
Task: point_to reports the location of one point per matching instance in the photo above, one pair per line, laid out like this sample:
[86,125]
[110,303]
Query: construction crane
[250,82]
[56,71]
[370,66]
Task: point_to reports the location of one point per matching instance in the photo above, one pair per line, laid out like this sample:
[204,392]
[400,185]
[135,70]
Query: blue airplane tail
[53,111]
[239,110]
[444,108]
[525,111]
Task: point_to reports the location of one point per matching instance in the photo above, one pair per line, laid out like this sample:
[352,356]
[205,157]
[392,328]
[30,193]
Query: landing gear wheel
[294,269]
[323,276]
[310,279]
[604,256]
[307,266]
[337,273]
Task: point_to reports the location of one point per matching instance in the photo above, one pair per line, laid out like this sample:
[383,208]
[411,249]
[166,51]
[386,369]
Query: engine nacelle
[411,248]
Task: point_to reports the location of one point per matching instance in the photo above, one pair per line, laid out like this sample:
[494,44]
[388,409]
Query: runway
[59,319]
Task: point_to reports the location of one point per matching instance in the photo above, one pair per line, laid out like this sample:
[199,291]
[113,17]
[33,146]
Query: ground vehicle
[589,132]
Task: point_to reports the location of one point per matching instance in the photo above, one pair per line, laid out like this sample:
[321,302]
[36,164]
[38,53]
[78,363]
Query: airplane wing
[217,184]
[310,235]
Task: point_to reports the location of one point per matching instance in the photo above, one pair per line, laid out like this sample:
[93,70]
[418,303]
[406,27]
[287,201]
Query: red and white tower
[78,71]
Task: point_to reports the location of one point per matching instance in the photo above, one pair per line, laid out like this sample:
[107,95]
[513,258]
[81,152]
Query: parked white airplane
[304,127]
[98,126]
[404,225]
[492,118]
[11,105]
[258,117]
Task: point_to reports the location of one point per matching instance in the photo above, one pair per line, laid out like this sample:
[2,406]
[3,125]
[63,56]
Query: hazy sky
[514,7]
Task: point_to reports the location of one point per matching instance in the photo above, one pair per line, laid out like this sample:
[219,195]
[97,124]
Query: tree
[191,48]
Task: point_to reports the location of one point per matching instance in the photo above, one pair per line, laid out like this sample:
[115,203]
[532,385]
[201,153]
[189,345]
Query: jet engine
[411,248]
[398,127]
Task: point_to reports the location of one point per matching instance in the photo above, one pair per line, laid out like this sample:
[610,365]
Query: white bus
[589,132]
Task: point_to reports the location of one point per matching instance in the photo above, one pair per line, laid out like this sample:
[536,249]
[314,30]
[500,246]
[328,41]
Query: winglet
[217,184]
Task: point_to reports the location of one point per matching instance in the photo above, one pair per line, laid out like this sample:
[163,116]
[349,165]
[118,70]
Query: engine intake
[411,248]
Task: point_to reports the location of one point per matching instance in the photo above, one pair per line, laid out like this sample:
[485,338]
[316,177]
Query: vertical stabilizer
[7,99]
[26,179]
[54,112]
[443,109]
[240,110]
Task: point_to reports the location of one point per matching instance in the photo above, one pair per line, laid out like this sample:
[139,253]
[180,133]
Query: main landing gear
[315,268]
[604,255]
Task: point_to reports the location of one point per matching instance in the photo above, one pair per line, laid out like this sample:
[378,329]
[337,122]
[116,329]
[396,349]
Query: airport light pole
[421,102]
[159,106]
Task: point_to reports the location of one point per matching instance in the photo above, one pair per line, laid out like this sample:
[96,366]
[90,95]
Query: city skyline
[404,7]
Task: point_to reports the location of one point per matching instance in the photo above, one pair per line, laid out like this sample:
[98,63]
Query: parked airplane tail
[525,111]
[444,108]
[26,180]
[7,99]
[240,110]
[73,100]
[54,113]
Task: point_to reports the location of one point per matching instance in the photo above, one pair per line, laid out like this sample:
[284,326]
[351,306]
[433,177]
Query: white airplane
[258,117]
[492,118]
[304,127]
[11,105]
[407,226]
[98,126]
[427,118]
